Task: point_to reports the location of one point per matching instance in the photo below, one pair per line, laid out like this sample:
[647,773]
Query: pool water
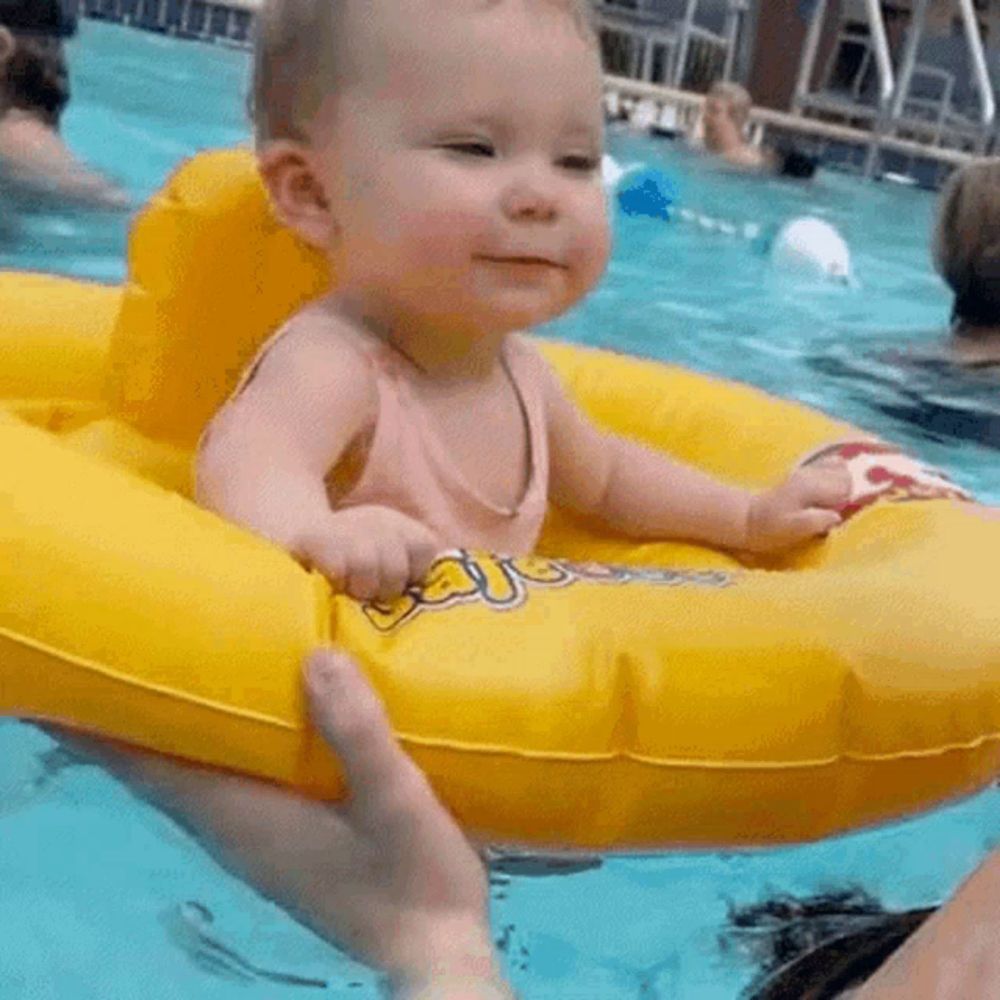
[99,892]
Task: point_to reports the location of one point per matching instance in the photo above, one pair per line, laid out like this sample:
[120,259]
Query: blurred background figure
[36,166]
[967,255]
[725,122]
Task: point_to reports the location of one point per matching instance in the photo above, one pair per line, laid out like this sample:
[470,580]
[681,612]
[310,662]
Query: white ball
[808,245]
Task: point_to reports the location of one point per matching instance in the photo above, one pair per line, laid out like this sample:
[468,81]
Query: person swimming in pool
[725,118]
[36,165]
[403,413]
[966,254]
[387,874]
[949,388]
[846,946]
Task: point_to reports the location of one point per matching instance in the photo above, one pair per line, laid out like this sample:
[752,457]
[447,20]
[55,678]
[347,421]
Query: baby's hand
[802,507]
[371,552]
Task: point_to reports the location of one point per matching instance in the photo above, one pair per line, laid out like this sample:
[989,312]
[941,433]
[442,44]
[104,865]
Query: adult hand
[411,891]
[955,955]
[387,874]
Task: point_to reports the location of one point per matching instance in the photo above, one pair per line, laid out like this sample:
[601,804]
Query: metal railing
[910,68]
[889,117]
[638,40]
[226,21]
[883,64]
[883,58]
[980,73]
[762,120]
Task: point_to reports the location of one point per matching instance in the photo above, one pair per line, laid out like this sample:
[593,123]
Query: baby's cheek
[451,232]
[454,223]
[592,248]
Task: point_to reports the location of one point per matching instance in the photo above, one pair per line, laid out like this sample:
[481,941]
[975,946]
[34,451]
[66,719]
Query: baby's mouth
[524,263]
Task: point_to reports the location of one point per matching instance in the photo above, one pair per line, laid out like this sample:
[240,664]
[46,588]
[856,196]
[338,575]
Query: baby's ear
[296,191]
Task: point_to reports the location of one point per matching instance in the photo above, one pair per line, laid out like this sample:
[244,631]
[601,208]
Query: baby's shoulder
[317,343]
[317,357]
[320,335]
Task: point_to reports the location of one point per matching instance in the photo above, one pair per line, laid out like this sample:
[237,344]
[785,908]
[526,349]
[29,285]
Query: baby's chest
[486,438]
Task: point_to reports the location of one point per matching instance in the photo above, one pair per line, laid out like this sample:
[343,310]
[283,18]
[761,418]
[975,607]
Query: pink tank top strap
[407,468]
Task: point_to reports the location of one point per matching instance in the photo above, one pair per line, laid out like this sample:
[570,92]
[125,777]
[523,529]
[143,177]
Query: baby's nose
[531,195]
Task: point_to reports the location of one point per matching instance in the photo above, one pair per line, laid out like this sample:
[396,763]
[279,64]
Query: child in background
[724,122]
[967,255]
[445,155]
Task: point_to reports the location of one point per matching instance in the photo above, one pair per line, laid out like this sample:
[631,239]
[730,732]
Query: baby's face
[462,165]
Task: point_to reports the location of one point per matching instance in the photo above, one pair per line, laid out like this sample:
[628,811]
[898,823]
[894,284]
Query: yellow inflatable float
[601,694]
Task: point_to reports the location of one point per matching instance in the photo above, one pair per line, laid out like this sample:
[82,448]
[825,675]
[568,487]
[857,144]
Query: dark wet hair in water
[794,163]
[54,18]
[36,79]
[817,947]
[977,298]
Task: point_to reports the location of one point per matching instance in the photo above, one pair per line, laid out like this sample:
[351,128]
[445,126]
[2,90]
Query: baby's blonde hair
[737,97]
[296,59]
[294,65]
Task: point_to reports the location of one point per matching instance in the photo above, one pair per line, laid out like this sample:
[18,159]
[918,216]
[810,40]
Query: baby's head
[967,243]
[444,153]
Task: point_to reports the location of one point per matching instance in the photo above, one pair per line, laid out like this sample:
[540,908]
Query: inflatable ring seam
[122,677]
[694,763]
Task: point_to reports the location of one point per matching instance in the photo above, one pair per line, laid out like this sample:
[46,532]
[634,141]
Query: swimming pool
[97,890]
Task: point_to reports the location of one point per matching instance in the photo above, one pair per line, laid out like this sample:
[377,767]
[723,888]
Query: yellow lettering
[449,579]
[498,585]
[385,617]
[535,569]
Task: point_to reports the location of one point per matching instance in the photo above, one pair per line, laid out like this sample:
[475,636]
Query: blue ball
[648,192]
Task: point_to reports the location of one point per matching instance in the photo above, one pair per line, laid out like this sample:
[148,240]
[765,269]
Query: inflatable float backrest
[53,338]
[212,272]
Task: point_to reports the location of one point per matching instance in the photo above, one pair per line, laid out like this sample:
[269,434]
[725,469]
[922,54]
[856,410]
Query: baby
[445,155]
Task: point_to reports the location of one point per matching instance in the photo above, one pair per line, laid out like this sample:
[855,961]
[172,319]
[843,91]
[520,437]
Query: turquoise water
[95,885]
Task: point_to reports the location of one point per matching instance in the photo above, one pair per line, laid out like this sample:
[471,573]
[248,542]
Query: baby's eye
[472,148]
[580,164]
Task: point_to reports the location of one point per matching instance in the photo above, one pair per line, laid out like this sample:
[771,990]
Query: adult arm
[35,159]
[955,955]
[386,874]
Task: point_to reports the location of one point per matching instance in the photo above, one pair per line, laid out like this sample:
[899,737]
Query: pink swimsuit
[407,467]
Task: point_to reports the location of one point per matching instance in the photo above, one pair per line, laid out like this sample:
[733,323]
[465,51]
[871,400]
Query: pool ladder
[893,93]
[678,41]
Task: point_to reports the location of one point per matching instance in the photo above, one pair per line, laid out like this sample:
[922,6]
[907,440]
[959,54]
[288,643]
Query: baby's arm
[265,456]
[264,461]
[640,492]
